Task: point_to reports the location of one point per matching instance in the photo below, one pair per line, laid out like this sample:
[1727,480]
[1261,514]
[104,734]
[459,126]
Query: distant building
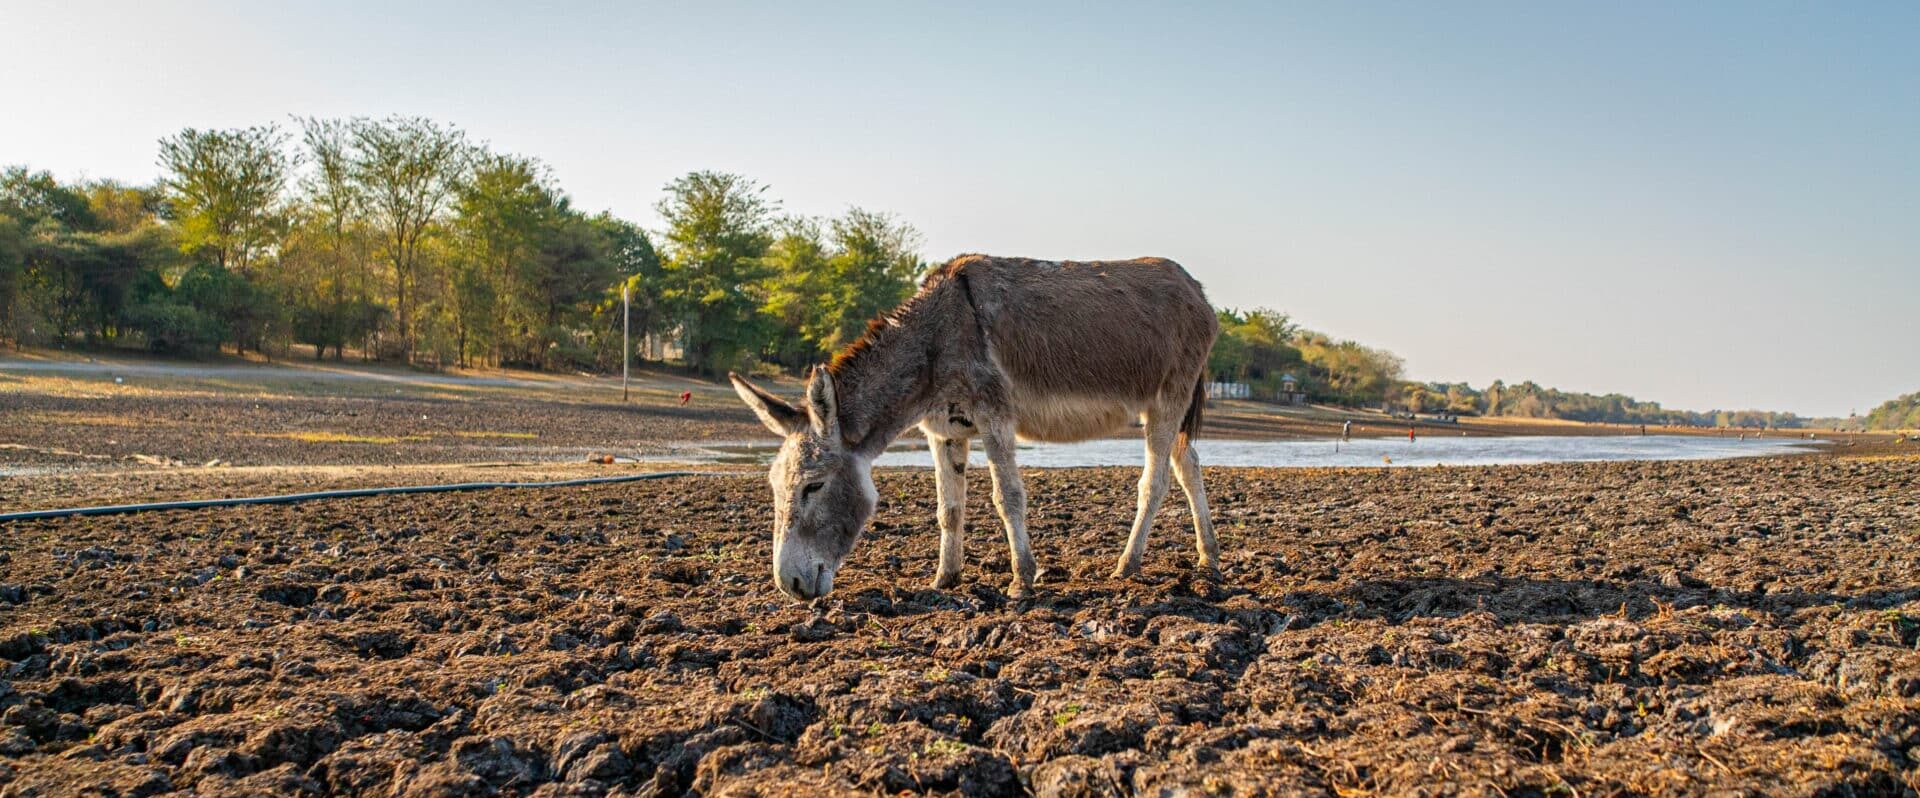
[1229,390]
[1290,393]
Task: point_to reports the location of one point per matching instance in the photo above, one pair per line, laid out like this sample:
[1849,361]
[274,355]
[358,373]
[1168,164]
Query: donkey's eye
[809,490]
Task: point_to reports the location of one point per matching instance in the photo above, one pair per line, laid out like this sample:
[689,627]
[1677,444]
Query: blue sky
[1704,204]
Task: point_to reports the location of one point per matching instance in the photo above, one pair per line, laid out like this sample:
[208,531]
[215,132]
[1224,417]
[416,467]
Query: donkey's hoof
[1208,571]
[946,581]
[1019,590]
[1126,570]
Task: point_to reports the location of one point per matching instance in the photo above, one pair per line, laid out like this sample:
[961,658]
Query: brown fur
[1133,331]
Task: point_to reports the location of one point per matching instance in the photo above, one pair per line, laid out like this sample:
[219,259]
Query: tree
[1255,347]
[13,267]
[501,212]
[225,189]
[1901,413]
[825,285]
[407,168]
[327,260]
[719,227]
[35,197]
[633,259]
[118,208]
[69,266]
[1351,373]
[875,260]
[797,264]
[571,270]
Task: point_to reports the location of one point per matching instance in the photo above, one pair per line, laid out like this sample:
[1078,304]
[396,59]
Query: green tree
[35,197]
[825,287]
[502,211]
[875,260]
[13,267]
[1255,347]
[225,190]
[570,271]
[796,284]
[1350,372]
[636,264]
[718,230]
[333,294]
[1902,413]
[407,169]
[63,264]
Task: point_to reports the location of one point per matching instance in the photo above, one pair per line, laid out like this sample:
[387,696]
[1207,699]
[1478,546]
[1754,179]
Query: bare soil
[129,416]
[1738,627]
[53,433]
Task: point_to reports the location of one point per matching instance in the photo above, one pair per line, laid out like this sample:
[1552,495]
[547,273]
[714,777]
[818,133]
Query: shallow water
[1427,451]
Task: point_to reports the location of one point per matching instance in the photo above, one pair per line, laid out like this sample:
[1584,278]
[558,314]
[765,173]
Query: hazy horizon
[1712,206]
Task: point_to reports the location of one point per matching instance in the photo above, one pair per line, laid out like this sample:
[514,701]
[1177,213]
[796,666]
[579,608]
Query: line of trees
[1901,413]
[401,239]
[1263,347]
[1530,400]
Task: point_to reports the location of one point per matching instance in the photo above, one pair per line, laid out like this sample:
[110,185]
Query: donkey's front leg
[950,477]
[1010,498]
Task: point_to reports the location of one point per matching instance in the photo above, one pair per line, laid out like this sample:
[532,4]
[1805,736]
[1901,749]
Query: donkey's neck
[884,382]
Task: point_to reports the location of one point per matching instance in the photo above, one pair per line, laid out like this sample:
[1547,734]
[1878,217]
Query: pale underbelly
[1062,419]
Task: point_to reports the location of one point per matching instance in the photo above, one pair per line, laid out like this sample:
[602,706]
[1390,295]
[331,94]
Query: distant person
[1409,433]
[1346,431]
[1643,429]
[685,397]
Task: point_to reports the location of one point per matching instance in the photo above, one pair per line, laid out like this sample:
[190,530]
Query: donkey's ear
[782,418]
[822,410]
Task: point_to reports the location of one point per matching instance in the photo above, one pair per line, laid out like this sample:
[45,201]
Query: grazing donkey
[999,348]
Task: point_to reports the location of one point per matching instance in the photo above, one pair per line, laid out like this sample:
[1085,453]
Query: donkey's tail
[1190,425]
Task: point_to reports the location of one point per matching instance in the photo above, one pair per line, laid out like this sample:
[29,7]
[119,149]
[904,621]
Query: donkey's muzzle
[804,584]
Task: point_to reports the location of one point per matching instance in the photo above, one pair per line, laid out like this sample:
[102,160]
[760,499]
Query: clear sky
[1705,204]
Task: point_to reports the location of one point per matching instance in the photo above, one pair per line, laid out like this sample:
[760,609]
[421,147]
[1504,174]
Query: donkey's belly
[1061,419]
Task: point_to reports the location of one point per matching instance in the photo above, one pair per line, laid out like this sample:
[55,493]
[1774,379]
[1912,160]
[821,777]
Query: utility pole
[626,343]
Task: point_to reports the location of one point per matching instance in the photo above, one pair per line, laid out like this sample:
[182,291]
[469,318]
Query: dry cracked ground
[1726,628]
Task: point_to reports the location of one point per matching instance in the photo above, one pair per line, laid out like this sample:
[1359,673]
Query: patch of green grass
[1066,716]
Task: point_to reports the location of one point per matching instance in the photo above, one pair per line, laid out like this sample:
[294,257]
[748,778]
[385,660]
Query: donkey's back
[1088,346]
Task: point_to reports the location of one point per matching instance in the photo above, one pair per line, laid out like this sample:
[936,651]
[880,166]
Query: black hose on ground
[291,498]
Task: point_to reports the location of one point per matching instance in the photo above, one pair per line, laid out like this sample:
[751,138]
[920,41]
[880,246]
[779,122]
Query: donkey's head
[823,491]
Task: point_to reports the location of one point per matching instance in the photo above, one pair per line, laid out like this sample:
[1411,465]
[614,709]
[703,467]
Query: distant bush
[1900,413]
[171,327]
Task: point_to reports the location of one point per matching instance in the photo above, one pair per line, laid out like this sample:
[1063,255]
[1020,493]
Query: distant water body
[1437,449]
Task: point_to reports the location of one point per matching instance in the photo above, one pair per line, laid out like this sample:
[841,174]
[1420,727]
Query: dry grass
[324,436]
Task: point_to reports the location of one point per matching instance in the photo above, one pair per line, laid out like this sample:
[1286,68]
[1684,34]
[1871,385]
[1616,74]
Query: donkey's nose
[801,588]
[804,586]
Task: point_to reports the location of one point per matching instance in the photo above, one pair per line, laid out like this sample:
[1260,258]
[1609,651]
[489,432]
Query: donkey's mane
[886,325]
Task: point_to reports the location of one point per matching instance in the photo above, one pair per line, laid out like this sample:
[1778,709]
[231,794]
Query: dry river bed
[1692,628]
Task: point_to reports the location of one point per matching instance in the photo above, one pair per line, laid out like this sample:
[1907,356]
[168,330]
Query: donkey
[1003,349]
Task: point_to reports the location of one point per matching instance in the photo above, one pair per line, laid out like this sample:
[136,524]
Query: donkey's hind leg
[1161,429]
[1186,469]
